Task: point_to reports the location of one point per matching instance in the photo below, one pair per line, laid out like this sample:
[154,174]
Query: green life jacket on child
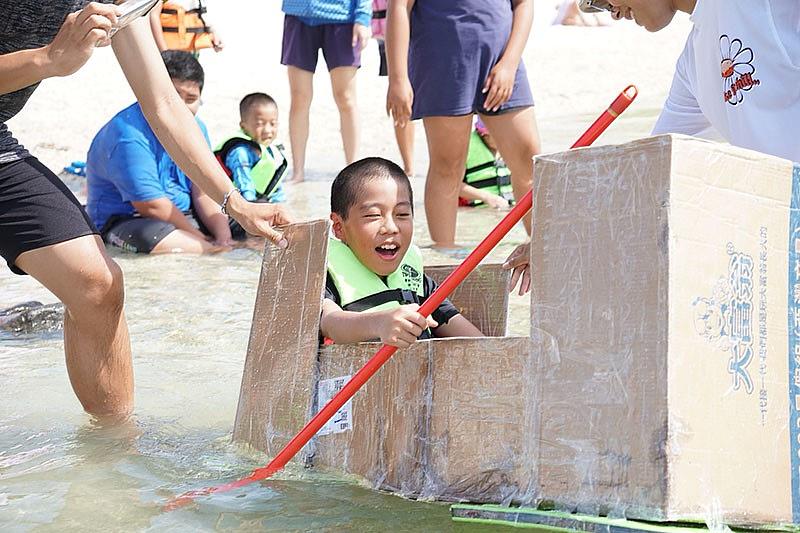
[484,171]
[267,173]
[360,289]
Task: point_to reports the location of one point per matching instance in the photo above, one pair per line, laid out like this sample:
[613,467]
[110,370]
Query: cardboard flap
[279,372]
[482,297]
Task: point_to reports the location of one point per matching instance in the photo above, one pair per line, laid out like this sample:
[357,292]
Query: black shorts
[383,69]
[140,234]
[36,210]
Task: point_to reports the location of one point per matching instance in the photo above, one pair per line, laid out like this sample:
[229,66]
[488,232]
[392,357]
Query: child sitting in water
[375,281]
[251,157]
[487,179]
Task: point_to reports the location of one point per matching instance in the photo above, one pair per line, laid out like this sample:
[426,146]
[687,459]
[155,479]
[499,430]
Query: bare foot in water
[297,177]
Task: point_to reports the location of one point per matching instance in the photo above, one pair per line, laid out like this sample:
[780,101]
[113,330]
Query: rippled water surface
[189,319]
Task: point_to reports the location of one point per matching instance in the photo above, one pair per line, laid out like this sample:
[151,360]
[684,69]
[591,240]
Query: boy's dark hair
[350,181]
[183,66]
[252,100]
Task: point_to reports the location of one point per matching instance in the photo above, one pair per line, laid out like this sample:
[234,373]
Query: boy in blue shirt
[137,196]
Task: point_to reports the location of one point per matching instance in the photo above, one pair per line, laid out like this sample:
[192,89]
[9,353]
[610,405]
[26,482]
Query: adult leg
[96,343]
[517,137]
[343,83]
[301,86]
[448,138]
[405,142]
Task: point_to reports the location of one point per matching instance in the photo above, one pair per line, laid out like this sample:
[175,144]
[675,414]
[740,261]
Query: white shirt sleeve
[681,112]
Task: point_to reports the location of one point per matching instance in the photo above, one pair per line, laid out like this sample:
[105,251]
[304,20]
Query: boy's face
[653,15]
[379,226]
[189,91]
[261,123]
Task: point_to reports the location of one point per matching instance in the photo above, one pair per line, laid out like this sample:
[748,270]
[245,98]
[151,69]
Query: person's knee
[102,290]
[301,97]
[345,99]
[449,168]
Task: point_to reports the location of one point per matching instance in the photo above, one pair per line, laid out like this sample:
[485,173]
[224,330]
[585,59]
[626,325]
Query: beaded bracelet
[227,197]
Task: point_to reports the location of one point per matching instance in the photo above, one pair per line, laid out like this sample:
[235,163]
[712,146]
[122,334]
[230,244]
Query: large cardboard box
[664,323]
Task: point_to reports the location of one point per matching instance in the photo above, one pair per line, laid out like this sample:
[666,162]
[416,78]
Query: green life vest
[267,173]
[360,289]
[485,172]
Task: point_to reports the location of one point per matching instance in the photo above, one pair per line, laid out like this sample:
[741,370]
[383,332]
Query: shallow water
[189,319]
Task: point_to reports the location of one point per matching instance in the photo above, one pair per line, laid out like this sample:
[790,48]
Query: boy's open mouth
[388,251]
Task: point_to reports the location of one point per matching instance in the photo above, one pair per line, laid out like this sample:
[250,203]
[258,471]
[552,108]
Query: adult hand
[519,264]
[499,85]
[217,43]
[400,327]
[259,219]
[79,35]
[361,35]
[399,99]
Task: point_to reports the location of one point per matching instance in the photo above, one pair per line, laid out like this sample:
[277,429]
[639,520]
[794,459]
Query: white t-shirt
[738,77]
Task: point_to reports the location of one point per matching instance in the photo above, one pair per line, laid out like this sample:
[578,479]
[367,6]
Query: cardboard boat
[443,419]
[661,380]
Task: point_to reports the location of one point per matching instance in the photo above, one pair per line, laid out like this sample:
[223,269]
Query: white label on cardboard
[343,419]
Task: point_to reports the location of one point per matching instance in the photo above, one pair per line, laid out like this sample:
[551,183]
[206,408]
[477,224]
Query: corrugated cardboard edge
[280,368]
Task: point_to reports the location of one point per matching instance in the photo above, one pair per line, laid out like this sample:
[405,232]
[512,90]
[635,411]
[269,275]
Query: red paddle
[377,361]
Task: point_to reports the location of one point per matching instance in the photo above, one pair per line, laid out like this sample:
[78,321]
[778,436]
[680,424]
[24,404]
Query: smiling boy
[255,162]
[376,281]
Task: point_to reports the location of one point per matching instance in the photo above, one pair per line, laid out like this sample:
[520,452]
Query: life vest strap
[379,14]
[498,180]
[477,168]
[196,11]
[401,296]
[204,29]
[276,177]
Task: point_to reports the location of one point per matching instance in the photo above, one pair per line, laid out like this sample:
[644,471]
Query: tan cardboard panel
[279,372]
[388,416]
[447,419]
[599,282]
[482,297]
[481,415]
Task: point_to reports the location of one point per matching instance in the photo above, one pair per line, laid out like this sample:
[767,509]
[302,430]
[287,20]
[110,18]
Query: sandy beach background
[575,72]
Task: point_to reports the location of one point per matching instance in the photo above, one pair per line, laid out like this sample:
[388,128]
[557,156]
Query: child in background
[487,179]
[375,281]
[251,157]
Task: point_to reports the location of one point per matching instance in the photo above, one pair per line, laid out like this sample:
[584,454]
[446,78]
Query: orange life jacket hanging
[185,29]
